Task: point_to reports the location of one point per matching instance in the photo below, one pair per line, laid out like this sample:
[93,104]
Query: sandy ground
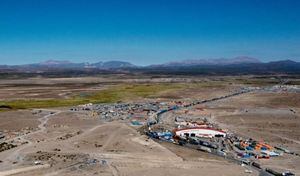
[124,150]
[17,120]
[269,117]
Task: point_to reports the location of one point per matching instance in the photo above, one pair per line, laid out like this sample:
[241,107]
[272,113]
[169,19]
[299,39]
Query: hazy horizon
[120,60]
[145,33]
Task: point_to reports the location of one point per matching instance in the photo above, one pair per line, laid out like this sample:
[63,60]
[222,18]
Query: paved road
[157,115]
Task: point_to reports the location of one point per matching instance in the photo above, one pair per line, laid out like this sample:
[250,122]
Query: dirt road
[15,156]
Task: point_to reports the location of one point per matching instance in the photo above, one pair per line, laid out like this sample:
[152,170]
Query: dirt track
[125,151]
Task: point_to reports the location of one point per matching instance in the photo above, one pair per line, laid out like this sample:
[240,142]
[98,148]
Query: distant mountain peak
[219,61]
[245,59]
[287,61]
[117,64]
[67,64]
[54,62]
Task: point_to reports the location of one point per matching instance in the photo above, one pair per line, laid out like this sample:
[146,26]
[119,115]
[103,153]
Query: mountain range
[237,65]
[212,61]
[57,64]
[122,64]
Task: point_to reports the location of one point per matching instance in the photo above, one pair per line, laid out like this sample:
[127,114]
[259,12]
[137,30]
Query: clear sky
[148,31]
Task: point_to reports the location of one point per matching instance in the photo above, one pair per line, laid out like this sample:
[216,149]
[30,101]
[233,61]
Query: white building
[199,132]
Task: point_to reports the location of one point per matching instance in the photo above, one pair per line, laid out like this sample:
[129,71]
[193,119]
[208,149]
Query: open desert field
[100,126]
[71,142]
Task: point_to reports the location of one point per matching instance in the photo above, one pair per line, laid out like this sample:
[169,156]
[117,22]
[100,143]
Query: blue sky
[148,32]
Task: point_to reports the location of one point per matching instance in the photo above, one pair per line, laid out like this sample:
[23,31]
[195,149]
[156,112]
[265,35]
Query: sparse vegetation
[128,92]
[258,81]
[110,95]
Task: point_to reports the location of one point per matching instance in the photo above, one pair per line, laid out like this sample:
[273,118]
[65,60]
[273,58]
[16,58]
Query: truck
[204,149]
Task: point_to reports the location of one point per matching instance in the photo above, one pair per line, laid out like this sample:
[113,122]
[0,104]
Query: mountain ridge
[221,66]
[218,61]
[123,64]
